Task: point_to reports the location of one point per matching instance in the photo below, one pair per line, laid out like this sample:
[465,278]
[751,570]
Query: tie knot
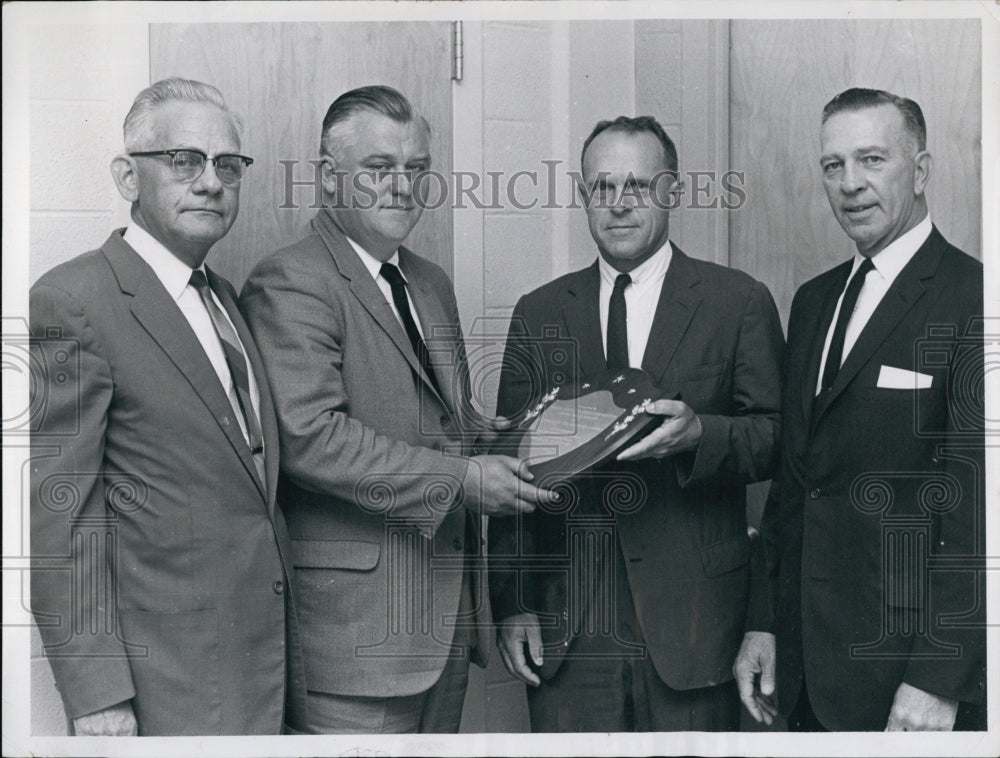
[391,274]
[198,280]
[622,281]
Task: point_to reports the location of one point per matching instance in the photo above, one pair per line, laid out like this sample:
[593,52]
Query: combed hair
[633,126]
[859,98]
[139,124]
[376,98]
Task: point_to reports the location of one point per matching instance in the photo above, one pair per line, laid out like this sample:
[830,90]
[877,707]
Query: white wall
[81,83]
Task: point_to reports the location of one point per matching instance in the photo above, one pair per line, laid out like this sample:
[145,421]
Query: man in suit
[874,535]
[640,638]
[159,558]
[363,346]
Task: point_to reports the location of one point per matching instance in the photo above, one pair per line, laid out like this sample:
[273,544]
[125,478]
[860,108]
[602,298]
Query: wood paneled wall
[783,73]
[281,78]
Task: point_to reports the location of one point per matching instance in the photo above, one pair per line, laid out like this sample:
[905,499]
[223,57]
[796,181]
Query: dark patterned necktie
[835,356]
[617,325]
[237,363]
[391,274]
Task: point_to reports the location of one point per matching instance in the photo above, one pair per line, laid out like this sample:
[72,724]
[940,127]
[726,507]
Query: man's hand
[116,721]
[914,710]
[680,432]
[512,633]
[489,431]
[498,485]
[756,656]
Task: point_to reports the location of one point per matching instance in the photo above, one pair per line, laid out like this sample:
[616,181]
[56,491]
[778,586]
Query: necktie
[835,356]
[237,363]
[617,328]
[391,274]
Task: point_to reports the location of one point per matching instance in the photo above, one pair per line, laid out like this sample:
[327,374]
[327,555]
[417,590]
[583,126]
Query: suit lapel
[440,332]
[581,315]
[365,290]
[679,300]
[905,291]
[159,315]
[268,425]
[820,327]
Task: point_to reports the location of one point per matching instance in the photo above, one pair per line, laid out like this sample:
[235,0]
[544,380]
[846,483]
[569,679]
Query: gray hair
[859,98]
[375,98]
[139,126]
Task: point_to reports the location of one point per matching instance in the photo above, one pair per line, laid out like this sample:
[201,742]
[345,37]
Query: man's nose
[853,179]
[624,203]
[401,183]
[208,181]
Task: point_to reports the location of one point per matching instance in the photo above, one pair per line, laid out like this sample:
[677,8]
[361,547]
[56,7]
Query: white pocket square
[901,379]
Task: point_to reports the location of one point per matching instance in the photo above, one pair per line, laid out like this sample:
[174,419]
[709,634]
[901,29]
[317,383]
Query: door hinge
[457,51]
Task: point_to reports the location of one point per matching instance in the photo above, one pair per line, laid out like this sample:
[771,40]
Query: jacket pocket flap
[339,554]
[695,373]
[720,557]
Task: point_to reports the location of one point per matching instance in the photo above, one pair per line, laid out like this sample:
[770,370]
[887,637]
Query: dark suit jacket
[159,557]
[716,339]
[372,462]
[872,481]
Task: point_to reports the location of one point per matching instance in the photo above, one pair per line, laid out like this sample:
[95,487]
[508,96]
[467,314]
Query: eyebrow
[857,151]
[389,158]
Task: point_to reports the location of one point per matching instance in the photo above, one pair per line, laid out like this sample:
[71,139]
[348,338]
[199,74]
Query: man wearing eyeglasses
[159,559]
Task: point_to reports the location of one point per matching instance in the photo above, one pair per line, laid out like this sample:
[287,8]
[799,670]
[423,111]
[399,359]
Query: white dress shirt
[175,275]
[374,266]
[888,263]
[641,299]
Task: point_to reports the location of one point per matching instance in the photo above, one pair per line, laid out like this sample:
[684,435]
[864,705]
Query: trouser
[607,682]
[435,710]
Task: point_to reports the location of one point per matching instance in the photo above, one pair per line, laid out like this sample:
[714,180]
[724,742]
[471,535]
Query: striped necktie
[237,363]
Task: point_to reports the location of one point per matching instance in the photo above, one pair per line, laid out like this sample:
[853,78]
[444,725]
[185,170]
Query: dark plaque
[574,427]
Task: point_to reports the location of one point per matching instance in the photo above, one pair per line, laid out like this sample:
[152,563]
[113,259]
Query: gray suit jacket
[372,463]
[158,556]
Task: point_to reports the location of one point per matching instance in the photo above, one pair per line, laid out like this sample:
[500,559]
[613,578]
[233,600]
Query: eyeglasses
[189,164]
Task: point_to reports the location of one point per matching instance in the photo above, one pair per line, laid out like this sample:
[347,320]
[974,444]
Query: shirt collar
[652,268]
[373,264]
[893,258]
[172,272]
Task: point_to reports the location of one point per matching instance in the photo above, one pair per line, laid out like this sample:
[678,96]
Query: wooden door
[281,78]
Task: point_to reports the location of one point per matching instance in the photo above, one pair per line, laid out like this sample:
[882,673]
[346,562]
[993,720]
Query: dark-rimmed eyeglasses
[188,164]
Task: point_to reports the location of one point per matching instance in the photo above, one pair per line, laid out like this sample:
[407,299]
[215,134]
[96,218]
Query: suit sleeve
[743,443]
[511,590]
[73,577]
[957,592]
[299,333]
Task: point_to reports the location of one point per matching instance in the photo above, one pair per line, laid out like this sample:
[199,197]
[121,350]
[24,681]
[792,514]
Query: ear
[675,194]
[333,182]
[126,179]
[922,172]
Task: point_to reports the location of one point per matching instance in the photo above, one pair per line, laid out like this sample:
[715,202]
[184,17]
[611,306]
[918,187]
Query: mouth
[210,211]
[858,209]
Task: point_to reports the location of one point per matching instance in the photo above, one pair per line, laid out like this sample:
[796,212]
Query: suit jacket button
[225,420]
[278,587]
[457,543]
[445,421]
[814,494]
